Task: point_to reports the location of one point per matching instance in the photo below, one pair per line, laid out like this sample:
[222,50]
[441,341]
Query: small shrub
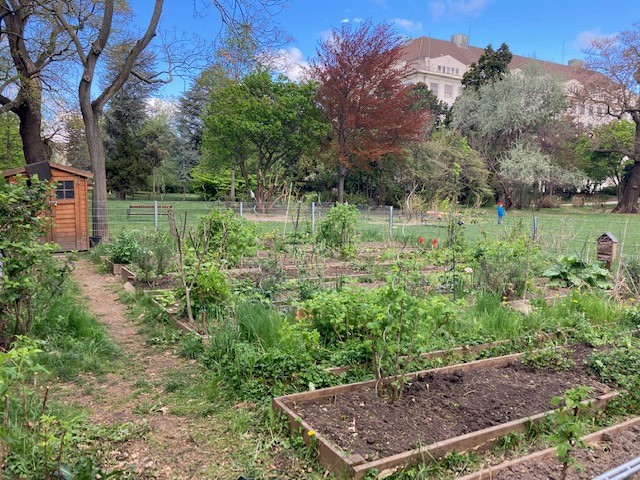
[506,266]
[338,230]
[567,428]
[124,248]
[154,255]
[231,237]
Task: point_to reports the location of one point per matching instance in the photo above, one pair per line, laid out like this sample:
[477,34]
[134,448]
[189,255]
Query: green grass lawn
[563,230]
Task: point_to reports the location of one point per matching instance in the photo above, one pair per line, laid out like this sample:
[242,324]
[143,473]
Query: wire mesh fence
[563,232]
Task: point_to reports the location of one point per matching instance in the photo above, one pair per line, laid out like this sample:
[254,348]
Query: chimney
[460,40]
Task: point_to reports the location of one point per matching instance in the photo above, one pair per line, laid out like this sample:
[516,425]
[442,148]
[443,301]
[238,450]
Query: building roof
[426,47]
[57,166]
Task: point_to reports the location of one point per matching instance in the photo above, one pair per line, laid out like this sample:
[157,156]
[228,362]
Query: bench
[149,210]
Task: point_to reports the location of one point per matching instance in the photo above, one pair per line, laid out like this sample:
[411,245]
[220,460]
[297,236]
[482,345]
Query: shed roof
[65,168]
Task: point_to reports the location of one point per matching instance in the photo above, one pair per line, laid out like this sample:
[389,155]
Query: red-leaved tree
[361,93]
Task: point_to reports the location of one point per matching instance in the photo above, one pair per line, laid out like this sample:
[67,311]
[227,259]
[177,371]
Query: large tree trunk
[342,174]
[100,216]
[30,127]
[232,191]
[627,202]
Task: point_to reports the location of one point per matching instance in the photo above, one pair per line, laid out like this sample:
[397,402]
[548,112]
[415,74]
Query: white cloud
[583,39]
[345,20]
[291,63]
[349,20]
[409,25]
[456,8]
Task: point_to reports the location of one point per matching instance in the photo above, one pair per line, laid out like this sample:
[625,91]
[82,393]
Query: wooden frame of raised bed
[356,467]
[491,472]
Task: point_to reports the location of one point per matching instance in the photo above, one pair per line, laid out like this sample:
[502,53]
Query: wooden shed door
[65,219]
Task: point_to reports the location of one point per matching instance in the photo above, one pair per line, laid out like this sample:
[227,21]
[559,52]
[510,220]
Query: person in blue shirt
[500,212]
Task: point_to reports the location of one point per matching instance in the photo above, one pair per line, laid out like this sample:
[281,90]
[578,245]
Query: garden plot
[604,450]
[455,408]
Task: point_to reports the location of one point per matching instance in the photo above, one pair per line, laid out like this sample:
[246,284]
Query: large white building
[440,64]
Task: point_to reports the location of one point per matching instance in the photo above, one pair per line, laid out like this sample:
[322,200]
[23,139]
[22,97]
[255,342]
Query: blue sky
[555,30]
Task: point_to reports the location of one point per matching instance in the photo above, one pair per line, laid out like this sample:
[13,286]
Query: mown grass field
[564,230]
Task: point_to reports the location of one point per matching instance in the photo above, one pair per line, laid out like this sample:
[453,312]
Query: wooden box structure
[607,248]
[69,202]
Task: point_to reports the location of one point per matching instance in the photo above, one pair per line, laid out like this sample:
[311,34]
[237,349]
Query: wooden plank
[329,456]
[463,367]
[490,473]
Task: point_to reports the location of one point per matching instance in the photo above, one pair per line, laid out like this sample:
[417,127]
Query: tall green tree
[492,66]
[11,154]
[599,151]
[500,114]
[611,81]
[273,120]
[429,171]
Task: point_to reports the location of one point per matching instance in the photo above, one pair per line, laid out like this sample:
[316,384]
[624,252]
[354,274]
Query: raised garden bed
[456,408]
[605,450]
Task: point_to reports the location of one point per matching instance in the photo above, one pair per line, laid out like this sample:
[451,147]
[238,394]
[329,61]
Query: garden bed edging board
[355,466]
[491,472]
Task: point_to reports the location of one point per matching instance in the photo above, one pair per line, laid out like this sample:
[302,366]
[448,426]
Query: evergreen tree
[491,66]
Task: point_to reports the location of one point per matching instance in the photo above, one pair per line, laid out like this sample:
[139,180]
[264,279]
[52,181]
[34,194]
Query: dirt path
[174,446]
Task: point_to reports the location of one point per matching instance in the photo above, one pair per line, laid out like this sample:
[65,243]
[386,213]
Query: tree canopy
[611,81]
[363,98]
[492,66]
[271,122]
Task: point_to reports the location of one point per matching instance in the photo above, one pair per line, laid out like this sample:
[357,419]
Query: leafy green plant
[29,277]
[619,365]
[553,359]
[506,266]
[573,271]
[337,231]
[124,247]
[154,256]
[230,237]
[567,427]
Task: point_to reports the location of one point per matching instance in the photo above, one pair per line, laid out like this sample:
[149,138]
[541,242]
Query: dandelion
[311,433]
[575,301]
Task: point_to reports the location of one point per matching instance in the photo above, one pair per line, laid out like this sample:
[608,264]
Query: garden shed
[69,202]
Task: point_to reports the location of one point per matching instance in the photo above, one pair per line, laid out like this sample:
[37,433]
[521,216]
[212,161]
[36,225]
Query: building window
[591,110]
[434,88]
[448,70]
[457,71]
[439,68]
[448,91]
[64,189]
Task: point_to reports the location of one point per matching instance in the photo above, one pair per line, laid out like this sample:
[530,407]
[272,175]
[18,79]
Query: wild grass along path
[135,393]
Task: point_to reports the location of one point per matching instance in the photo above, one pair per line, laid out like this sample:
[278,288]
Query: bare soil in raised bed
[601,457]
[436,407]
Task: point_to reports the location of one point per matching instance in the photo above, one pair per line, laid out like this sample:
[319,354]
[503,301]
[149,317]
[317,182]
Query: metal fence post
[535,228]
[241,209]
[313,218]
[155,215]
[391,222]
